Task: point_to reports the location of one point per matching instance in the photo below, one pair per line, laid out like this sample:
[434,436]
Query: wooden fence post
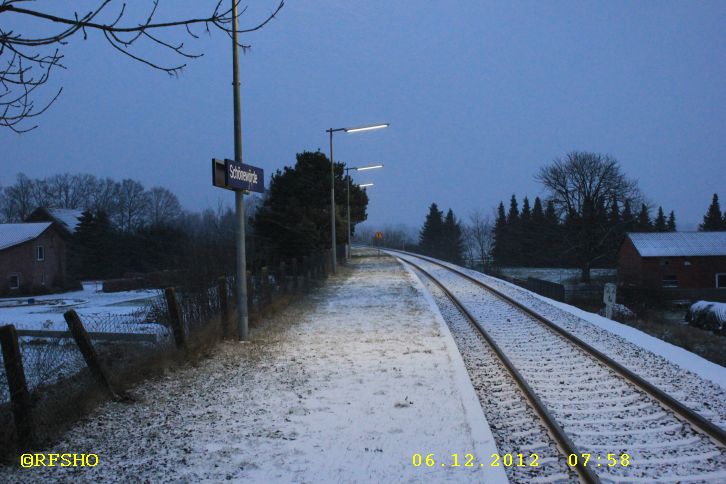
[177,327]
[75,325]
[19,395]
[223,305]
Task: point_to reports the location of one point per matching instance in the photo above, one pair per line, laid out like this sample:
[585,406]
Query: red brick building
[685,265]
[32,258]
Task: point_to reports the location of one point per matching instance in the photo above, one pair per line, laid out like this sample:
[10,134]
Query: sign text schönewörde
[239,176]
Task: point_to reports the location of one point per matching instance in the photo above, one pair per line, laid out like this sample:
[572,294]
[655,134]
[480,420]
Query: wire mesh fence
[60,382]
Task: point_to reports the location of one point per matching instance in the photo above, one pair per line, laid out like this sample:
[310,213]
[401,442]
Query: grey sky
[479,95]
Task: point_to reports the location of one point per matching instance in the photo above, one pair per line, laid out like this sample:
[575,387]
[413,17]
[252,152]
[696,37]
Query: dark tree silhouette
[660,224]
[31,39]
[712,220]
[432,233]
[583,187]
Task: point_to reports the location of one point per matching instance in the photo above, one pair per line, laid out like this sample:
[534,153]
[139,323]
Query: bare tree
[479,236]
[133,205]
[27,59]
[584,187]
[164,207]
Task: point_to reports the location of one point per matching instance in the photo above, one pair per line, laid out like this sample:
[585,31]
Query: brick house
[684,265]
[32,258]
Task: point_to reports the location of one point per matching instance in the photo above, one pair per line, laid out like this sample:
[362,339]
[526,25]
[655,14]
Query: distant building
[66,218]
[32,258]
[685,265]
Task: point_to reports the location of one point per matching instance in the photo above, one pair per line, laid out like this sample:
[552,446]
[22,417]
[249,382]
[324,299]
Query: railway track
[609,424]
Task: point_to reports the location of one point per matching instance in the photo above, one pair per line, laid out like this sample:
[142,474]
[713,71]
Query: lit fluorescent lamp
[363,168]
[367,128]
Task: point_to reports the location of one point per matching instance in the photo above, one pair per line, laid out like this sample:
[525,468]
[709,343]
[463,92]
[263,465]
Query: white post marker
[609,299]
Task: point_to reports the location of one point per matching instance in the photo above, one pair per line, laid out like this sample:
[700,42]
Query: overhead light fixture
[367,128]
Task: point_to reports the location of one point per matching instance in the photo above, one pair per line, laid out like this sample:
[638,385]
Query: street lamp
[332,179]
[356,168]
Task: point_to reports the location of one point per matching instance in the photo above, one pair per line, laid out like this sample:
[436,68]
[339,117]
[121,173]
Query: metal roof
[67,216]
[679,244]
[14,234]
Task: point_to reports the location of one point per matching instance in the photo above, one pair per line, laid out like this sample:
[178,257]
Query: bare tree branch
[24,66]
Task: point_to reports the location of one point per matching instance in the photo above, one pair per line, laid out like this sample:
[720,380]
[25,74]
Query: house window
[40,253]
[670,281]
[721,281]
[14,281]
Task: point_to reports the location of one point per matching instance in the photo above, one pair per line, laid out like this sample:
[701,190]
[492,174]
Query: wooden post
[75,325]
[19,395]
[175,320]
[223,305]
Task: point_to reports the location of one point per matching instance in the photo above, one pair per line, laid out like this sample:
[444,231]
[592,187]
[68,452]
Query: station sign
[234,175]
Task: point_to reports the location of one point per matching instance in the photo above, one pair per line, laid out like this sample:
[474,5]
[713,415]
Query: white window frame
[17,276]
[39,253]
[716,280]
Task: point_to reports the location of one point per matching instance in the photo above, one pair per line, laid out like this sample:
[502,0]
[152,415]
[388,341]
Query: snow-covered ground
[345,386]
[560,275]
[47,311]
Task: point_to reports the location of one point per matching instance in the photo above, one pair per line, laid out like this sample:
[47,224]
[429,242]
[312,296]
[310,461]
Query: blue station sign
[234,175]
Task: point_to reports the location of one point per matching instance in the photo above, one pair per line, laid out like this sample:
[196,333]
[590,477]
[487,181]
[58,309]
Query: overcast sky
[479,96]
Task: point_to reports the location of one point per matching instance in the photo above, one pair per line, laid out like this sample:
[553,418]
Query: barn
[684,265]
[32,258]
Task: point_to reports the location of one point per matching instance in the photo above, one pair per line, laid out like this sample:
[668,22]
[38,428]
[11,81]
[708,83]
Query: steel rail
[707,427]
[558,434]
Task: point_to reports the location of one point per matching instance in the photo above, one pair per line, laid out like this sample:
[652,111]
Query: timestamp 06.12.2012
[516,460]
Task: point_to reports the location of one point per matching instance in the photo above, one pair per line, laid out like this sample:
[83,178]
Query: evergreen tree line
[442,236]
[537,236]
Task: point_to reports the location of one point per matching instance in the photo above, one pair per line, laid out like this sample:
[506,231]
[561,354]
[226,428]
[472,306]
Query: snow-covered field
[345,386]
[47,311]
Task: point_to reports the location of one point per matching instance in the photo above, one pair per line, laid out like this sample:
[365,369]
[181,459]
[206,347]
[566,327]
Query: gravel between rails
[502,401]
[603,413]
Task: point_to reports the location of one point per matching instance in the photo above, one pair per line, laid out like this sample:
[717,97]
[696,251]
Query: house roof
[14,234]
[679,244]
[67,217]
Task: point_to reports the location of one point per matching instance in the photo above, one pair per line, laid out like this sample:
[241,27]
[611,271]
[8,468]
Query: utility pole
[332,203]
[239,201]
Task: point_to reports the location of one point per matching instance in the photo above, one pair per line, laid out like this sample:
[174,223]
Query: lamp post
[330,131]
[347,177]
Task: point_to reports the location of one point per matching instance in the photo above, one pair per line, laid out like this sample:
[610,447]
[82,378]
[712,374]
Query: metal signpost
[609,299]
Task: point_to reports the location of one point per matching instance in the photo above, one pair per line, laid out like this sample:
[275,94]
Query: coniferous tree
[627,216]
[551,236]
[513,233]
[453,239]
[499,251]
[712,220]
[671,225]
[660,224]
[432,232]
[643,222]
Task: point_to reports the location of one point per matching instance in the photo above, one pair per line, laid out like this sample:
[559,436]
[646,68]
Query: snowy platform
[344,386]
